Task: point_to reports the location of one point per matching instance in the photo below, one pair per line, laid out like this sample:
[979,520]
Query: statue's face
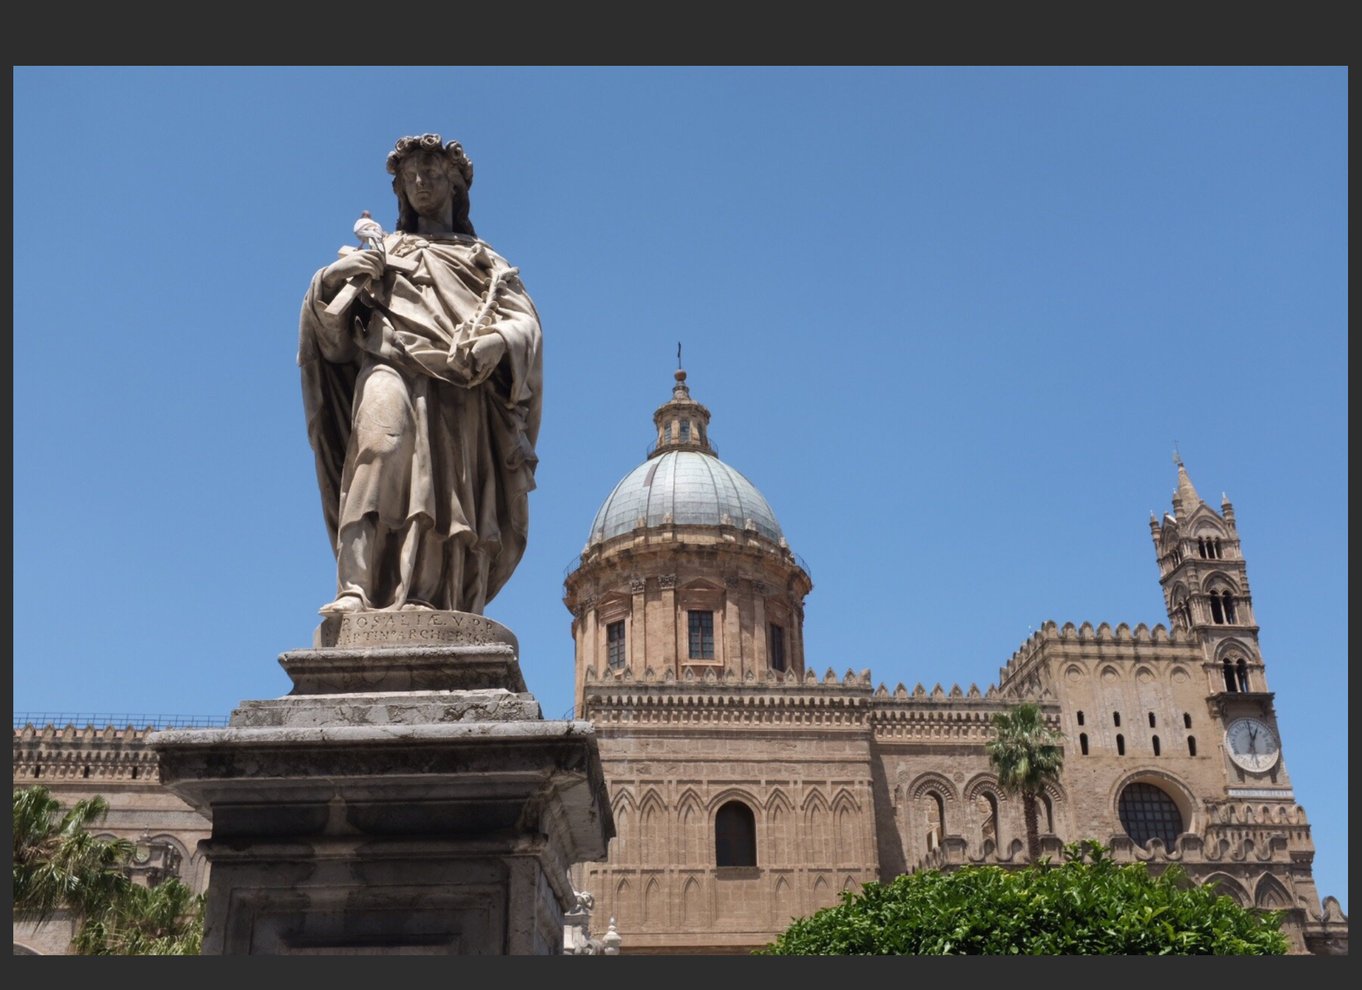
[430,184]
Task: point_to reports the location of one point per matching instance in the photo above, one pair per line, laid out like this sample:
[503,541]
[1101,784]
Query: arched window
[1229,675]
[1217,614]
[988,815]
[1149,813]
[1227,605]
[1048,807]
[1241,674]
[735,836]
[936,819]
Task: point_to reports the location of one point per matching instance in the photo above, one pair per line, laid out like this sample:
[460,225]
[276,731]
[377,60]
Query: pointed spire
[1185,499]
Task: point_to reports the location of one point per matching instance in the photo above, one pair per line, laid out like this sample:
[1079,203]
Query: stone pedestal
[406,797]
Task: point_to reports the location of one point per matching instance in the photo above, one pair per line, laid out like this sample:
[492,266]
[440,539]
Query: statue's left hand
[486,351]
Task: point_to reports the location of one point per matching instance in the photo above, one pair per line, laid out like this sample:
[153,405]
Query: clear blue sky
[950,321]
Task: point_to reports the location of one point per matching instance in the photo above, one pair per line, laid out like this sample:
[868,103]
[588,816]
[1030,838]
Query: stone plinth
[406,797]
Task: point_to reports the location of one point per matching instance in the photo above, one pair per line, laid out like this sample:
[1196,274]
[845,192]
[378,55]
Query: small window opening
[701,628]
[614,645]
[1080,718]
[1156,745]
[1120,745]
[1186,720]
[1151,720]
[685,430]
[1083,743]
[1116,719]
[776,636]
[1191,745]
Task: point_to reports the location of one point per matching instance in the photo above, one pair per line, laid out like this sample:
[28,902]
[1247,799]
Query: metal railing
[118,720]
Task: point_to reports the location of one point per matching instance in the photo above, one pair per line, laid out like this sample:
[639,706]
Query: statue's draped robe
[406,434]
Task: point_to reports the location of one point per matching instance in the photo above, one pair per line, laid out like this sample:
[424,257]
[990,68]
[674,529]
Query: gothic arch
[1230,887]
[693,911]
[654,910]
[781,832]
[624,901]
[1271,895]
[652,827]
[1232,647]
[817,827]
[778,800]
[1220,581]
[782,907]
[691,819]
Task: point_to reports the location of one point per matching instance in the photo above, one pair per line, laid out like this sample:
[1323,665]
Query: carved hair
[456,162]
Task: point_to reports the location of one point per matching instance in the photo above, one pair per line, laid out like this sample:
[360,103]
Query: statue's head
[457,165]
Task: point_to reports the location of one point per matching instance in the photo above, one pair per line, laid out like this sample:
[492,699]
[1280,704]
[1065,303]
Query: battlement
[1104,634]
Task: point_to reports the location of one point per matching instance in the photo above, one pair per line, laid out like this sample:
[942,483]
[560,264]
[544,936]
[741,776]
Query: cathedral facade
[749,789]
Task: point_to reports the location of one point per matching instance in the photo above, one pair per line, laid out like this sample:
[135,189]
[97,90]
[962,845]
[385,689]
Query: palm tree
[164,920]
[58,864]
[1027,755]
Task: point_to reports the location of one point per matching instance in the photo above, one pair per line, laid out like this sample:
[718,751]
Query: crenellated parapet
[937,716]
[101,754]
[1025,671]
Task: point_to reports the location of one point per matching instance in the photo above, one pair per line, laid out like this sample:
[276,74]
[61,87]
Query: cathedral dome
[684,488]
[683,482]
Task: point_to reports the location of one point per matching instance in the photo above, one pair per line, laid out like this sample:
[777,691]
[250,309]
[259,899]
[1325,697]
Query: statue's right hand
[361,264]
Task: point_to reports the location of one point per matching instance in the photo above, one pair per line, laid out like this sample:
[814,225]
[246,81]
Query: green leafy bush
[1088,905]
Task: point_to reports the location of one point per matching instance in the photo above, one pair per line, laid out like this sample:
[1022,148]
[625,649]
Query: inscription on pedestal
[361,629]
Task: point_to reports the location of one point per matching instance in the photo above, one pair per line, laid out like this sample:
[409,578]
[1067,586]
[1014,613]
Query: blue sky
[950,321]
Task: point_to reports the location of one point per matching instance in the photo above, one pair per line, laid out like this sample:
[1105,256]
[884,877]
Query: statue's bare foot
[416,605]
[345,602]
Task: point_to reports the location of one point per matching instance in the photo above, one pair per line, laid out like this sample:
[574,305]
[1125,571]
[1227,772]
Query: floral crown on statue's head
[431,142]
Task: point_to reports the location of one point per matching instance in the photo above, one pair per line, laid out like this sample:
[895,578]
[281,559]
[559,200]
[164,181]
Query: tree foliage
[1026,755]
[1088,905]
[59,865]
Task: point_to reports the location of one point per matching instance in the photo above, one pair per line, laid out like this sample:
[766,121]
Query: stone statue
[422,379]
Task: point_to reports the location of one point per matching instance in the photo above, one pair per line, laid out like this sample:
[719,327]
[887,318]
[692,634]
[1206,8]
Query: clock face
[1252,744]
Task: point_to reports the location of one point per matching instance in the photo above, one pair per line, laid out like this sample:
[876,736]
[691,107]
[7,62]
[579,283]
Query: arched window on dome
[614,645]
[700,634]
[776,646]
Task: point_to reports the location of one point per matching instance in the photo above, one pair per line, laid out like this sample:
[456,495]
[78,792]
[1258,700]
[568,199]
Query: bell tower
[1206,592]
